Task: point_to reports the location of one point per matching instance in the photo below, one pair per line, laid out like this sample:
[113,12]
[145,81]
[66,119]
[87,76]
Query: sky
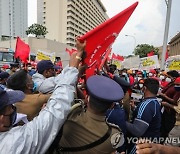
[146,25]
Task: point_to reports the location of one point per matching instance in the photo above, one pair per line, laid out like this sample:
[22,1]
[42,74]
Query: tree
[37,29]
[143,49]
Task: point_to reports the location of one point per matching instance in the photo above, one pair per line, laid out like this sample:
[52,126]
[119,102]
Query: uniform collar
[95,117]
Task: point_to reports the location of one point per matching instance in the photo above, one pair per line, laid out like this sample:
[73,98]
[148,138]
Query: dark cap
[44,65]
[123,83]
[10,97]
[4,75]
[104,88]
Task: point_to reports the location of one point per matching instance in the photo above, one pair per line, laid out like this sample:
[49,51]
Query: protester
[169,94]
[86,131]
[32,103]
[37,135]
[3,79]
[139,76]
[162,78]
[126,99]
[131,78]
[175,132]
[5,68]
[152,73]
[147,115]
[13,68]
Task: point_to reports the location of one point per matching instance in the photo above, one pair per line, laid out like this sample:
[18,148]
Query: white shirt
[36,136]
[45,85]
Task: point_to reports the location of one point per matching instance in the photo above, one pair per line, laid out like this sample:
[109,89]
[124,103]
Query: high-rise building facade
[13,18]
[67,19]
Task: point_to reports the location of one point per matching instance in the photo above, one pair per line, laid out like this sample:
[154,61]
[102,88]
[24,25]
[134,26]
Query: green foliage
[37,29]
[143,49]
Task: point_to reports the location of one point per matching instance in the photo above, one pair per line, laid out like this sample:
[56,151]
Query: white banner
[131,63]
[148,63]
[173,63]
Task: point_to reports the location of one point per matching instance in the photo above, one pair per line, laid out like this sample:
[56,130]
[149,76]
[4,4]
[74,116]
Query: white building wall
[40,11]
[13,18]
[66,19]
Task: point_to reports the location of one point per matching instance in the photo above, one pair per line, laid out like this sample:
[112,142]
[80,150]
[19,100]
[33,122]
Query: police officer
[86,131]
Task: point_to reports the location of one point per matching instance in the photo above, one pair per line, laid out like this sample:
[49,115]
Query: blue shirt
[149,112]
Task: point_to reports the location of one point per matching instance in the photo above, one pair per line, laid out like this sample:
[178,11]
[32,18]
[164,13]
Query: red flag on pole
[105,58]
[114,56]
[22,50]
[120,58]
[102,37]
[151,53]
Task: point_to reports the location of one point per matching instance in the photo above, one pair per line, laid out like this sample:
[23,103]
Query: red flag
[102,37]
[105,58]
[114,56]
[151,53]
[70,51]
[120,58]
[167,55]
[22,50]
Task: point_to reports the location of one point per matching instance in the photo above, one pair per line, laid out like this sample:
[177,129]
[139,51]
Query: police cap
[104,88]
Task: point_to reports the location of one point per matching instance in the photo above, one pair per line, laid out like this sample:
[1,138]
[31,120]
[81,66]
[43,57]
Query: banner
[148,63]
[42,55]
[132,63]
[173,63]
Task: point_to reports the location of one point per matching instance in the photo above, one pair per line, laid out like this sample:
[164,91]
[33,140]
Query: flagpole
[169,3]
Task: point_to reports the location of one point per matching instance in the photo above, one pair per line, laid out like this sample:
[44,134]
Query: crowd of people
[43,110]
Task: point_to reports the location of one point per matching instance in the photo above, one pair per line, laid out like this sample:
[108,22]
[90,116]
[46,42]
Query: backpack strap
[85,147]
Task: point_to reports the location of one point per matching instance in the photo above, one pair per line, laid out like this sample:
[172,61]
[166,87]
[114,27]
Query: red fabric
[152,71]
[151,53]
[177,81]
[102,37]
[59,63]
[22,50]
[114,56]
[167,55]
[70,51]
[121,58]
[131,80]
[139,72]
[164,83]
[5,66]
[105,57]
[118,57]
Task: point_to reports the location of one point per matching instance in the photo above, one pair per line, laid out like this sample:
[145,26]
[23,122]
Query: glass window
[8,57]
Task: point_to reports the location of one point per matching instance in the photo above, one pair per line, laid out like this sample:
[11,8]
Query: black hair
[18,80]
[173,74]
[112,68]
[99,105]
[152,85]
